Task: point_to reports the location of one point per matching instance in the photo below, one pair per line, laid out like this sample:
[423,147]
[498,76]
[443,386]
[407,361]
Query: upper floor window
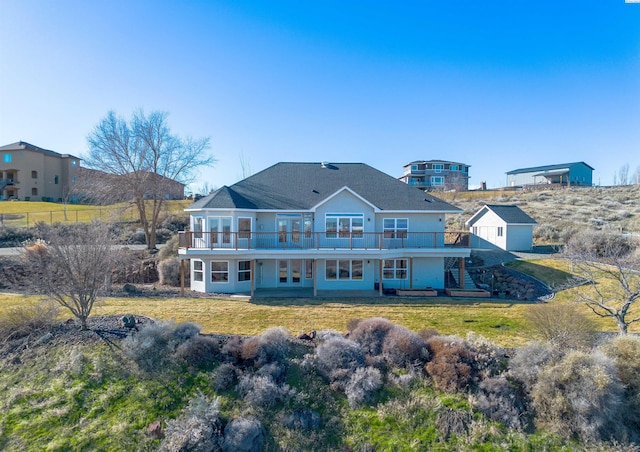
[437,180]
[344,225]
[56,179]
[453,167]
[395,228]
[221,225]
[414,167]
[74,163]
[34,174]
[7,158]
[438,167]
[244,228]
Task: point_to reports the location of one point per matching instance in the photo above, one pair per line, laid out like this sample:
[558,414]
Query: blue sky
[497,85]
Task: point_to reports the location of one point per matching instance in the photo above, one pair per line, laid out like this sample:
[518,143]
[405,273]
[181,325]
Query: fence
[17,219]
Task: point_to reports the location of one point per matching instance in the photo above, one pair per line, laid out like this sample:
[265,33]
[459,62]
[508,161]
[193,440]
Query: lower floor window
[219,271]
[244,271]
[343,269]
[198,272]
[394,269]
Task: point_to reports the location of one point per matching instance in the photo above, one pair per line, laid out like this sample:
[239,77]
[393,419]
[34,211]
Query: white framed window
[198,271]
[438,167]
[414,167]
[453,167]
[394,269]
[198,227]
[475,230]
[343,269]
[344,225]
[219,271]
[500,231]
[395,228]
[244,228]
[437,180]
[220,230]
[244,271]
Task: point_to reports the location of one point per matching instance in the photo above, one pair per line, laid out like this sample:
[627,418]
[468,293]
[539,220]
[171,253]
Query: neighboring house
[343,226]
[505,227]
[565,174]
[32,173]
[436,175]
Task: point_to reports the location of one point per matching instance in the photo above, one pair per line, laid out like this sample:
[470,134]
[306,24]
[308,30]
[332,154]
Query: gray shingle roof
[301,186]
[509,213]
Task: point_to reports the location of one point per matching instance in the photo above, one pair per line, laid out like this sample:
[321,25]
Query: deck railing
[321,240]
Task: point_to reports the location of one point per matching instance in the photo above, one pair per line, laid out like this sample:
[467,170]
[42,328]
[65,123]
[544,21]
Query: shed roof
[510,214]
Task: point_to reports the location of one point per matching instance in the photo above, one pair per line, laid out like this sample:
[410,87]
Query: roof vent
[325,165]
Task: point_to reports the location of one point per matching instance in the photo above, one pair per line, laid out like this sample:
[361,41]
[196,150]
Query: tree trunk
[622,326]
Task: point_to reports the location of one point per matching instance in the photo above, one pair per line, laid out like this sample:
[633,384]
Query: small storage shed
[501,226]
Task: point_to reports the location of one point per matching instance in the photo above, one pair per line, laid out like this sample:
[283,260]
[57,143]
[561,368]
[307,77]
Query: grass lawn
[28,213]
[552,272]
[500,321]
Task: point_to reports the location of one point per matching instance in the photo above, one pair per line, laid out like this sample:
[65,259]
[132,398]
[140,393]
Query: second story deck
[321,240]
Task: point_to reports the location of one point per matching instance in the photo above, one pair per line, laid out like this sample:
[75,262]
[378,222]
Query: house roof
[435,161]
[548,168]
[302,186]
[23,145]
[508,213]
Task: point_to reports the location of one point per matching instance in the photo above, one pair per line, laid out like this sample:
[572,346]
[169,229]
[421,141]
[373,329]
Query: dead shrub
[562,324]
[21,321]
[529,360]
[261,391]
[580,396]
[232,350]
[450,421]
[500,400]
[370,334]
[225,377]
[200,352]
[169,272]
[362,386]
[338,358]
[243,435]
[271,346]
[450,366]
[402,348]
[198,428]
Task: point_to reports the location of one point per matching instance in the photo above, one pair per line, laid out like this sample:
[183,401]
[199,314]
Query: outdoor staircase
[451,263]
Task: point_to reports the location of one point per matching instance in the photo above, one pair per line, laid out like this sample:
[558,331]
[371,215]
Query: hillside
[559,212]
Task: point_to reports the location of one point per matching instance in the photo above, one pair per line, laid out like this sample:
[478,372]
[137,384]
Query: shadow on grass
[552,277]
[385,301]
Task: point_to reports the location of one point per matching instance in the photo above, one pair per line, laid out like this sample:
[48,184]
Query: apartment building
[436,175]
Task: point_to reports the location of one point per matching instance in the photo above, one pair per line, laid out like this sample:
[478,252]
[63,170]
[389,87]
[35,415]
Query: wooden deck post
[182,277]
[461,271]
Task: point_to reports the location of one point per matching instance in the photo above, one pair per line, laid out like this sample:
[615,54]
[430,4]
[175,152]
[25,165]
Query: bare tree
[147,159]
[609,267]
[621,177]
[72,267]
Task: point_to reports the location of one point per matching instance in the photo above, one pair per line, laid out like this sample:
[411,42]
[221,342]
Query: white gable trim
[343,189]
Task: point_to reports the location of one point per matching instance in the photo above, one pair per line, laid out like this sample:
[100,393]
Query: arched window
[34,174]
[34,191]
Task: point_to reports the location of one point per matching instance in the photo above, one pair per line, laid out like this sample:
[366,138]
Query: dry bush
[528,362]
[199,428]
[450,421]
[338,358]
[562,324]
[580,396]
[403,348]
[271,346]
[370,334]
[450,365]
[243,435]
[21,321]
[261,391]
[169,272]
[225,377]
[625,351]
[200,352]
[185,331]
[427,333]
[232,350]
[362,386]
[302,419]
[500,400]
